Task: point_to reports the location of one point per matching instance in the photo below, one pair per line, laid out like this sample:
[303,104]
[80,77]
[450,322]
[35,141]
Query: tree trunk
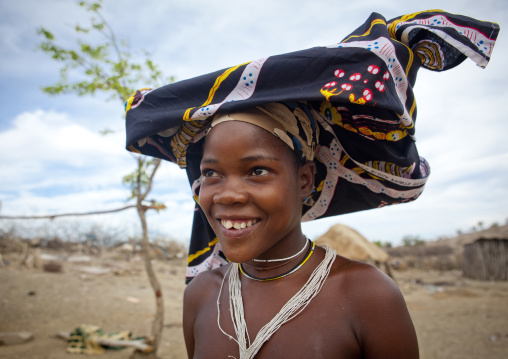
[159,314]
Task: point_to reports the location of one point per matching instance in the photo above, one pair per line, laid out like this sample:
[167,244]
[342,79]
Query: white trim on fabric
[242,91]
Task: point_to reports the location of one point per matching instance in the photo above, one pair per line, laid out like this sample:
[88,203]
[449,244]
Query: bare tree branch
[53,216]
[157,162]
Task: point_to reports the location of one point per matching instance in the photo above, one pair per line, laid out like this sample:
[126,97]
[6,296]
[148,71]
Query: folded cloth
[83,340]
[359,92]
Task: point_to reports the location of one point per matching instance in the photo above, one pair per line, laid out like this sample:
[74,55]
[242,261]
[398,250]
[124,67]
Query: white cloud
[54,160]
[53,165]
[44,142]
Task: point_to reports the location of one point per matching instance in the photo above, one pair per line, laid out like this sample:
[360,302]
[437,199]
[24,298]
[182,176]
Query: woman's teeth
[237,224]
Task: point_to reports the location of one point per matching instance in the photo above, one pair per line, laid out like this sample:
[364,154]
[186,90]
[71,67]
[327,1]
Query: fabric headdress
[358,93]
[295,127]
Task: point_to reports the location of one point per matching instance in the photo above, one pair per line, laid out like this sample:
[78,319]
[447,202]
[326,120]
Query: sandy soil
[454,317]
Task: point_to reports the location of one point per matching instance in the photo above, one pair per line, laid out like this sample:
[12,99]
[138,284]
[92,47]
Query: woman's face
[252,192]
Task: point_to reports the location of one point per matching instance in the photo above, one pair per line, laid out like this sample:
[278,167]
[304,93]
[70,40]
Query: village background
[56,274]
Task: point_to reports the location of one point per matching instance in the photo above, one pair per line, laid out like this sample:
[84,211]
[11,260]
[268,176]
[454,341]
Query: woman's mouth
[237,223]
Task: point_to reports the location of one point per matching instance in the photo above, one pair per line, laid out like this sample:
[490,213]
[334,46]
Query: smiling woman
[252,192]
[291,138]
[250,178]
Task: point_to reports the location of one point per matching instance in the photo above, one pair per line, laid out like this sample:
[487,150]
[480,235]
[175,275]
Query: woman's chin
[237,258]
[235,255]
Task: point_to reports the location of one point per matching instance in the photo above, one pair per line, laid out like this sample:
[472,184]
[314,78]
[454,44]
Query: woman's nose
[231,192]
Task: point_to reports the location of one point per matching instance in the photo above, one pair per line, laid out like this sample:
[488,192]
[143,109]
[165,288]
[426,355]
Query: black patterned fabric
[360,92]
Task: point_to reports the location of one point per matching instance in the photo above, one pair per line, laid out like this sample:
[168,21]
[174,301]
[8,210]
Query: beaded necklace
[267,268]
[291,309]
[283,259]
[291,271]
[288,260]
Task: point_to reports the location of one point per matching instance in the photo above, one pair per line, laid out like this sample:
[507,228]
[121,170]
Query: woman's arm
[190,308]
[383,324]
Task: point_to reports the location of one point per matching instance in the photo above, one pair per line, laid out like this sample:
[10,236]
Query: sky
[53,158]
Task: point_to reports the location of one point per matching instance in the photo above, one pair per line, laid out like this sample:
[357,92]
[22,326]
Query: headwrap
[294,128]
[358,94]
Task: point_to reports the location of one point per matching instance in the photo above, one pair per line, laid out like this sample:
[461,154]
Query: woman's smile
[237,223]
[250,192]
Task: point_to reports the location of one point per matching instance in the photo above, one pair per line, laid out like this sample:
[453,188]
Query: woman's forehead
[245,137]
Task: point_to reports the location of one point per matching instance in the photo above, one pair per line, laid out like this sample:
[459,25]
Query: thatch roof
[351,244]
[495,231]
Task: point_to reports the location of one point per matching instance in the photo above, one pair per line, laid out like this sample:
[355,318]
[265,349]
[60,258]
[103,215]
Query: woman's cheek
[204,198]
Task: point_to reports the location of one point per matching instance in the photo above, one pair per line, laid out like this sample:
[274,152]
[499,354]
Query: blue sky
[54,160]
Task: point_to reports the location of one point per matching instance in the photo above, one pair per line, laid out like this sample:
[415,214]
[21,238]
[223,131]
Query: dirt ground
[454,317]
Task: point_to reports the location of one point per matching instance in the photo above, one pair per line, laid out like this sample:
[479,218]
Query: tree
[412,241]
[381,244]
[109,67]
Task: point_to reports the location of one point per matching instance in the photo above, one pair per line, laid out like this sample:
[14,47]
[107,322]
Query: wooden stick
[53,216]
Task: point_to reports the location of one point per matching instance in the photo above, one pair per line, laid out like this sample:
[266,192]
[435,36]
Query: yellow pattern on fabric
[344,160]
[134,149]
[375,22]
[359,170]
[129,104]
[393,26]
[203,251]
[320,187]
[433,60]
[327,94]
[410,60]
[413,107]
[182,138]
[214,89]
[130,100]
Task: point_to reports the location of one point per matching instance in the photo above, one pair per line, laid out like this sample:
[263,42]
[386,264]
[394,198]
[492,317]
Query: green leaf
[106,131]
[99,26]
[91,66]
[81,29]
[48,35]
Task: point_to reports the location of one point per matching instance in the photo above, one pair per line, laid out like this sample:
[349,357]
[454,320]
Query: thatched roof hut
[351,244]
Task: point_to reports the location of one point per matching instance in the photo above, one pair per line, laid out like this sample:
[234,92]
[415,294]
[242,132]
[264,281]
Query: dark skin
[250,175]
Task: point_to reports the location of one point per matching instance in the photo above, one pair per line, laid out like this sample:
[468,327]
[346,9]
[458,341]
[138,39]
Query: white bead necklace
[284,259]
[291,309]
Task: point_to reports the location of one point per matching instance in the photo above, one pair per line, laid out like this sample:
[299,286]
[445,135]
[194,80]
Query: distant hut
[351,244]
[486,259]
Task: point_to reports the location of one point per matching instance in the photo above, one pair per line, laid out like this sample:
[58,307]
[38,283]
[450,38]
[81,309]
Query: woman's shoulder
[376,309]
[205,283]
[362,280]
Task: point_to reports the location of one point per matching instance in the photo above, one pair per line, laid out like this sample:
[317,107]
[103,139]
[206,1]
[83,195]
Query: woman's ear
[306,176]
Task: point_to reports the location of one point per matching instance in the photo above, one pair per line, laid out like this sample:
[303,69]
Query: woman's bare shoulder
[379,315]
[204,284]
[361,284]
[358,277]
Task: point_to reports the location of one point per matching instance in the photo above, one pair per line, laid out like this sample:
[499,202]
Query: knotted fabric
[358,93]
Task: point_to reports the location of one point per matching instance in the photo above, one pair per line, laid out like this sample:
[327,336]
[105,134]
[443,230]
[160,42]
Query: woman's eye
[209,173]
[260,172]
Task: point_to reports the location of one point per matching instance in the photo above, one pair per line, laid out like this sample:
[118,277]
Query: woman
[252,192]
[296,137]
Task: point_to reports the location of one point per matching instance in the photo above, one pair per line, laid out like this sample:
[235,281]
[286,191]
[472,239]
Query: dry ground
[454,317]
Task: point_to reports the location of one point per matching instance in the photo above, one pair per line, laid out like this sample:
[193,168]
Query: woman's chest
[319,330]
